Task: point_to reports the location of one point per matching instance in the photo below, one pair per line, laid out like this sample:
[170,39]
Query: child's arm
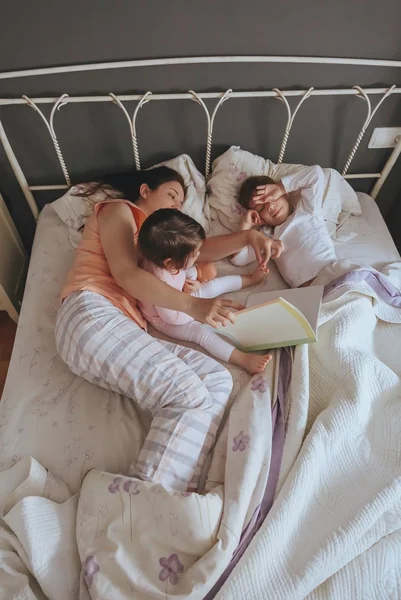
[309,182]
[173,317]
[243,257]
[250,220]
[246,255]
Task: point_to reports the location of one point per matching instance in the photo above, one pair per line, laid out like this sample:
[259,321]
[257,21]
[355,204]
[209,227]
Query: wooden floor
[7,335]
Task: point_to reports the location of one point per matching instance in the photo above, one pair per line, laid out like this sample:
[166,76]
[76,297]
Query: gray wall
[95,140]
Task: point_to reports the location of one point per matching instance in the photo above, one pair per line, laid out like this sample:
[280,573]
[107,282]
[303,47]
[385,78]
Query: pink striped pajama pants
[185,391]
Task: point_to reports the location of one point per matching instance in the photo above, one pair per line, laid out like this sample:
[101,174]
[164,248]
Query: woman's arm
[116,229]
[221,246]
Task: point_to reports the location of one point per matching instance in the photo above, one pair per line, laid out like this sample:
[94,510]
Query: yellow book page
[272,324]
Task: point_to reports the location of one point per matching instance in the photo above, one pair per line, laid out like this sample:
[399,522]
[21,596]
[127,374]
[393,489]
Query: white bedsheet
[70,426]
[67,424]
[373,245]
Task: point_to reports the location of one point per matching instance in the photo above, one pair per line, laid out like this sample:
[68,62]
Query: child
[292,207]
[169,242]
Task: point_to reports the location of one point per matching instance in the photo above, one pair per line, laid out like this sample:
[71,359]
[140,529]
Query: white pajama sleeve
[309,183]
[244,257]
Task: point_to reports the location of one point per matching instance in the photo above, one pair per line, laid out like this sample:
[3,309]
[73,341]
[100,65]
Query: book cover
[276,319]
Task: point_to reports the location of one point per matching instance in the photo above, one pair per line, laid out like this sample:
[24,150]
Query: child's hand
[191,286]
[267,193]
[251,219]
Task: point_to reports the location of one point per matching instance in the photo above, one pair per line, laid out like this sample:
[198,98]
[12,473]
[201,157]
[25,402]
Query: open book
[276,319]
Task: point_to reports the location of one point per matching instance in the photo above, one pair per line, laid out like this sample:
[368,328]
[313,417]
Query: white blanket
[334,530]
[335,526]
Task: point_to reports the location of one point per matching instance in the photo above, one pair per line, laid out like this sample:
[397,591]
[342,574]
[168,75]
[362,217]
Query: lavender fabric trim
[278,422]
[379,283]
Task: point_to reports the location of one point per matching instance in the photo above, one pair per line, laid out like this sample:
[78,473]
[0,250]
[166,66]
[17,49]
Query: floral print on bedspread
[190,537]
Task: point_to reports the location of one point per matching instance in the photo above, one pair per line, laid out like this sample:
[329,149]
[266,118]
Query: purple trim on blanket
[278,423]
[377,281]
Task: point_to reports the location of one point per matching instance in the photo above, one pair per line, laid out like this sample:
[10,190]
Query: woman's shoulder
[120,208]
[113,203]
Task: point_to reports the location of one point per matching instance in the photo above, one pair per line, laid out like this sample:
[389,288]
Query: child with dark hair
[169,242]
[290,211]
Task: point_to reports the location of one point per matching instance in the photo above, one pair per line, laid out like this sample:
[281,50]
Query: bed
[302,488]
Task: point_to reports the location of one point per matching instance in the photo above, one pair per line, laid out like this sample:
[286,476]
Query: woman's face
[167,195]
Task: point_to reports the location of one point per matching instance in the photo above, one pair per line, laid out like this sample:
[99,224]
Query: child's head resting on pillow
[171,239]
[266,200]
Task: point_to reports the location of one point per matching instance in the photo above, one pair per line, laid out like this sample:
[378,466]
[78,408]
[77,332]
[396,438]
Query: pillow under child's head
[235,165]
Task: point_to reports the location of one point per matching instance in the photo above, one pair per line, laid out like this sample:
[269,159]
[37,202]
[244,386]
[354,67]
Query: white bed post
[210,124]
[18,172]
[290,118]
[62,101]
[132,123]
[387,168]
[370,114]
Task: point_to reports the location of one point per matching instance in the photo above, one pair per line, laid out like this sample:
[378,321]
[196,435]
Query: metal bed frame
[142,99]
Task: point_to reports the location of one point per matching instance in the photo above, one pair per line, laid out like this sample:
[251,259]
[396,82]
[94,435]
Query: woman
[101,334]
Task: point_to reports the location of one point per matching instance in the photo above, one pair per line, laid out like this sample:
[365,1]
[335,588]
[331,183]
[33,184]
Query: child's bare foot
[251,363]
[254,278]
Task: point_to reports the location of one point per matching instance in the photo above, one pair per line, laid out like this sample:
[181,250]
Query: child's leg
[200,334]
[217,346]
[219,286]
[229,283]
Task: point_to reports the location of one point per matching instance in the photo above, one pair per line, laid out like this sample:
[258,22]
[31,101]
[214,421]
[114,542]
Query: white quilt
[334,530]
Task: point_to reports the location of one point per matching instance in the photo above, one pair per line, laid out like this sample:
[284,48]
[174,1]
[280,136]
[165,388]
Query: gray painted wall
[95,139]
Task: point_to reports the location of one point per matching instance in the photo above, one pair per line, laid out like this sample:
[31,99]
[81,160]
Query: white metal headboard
[282,95]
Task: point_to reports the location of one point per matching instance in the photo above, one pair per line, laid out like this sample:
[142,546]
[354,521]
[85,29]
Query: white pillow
[308,248]
[75,210]
[231,168]
[195,205]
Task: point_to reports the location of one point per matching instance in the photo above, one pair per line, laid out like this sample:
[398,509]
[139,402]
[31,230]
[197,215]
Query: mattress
[67,424]
[71,428]
[373,245]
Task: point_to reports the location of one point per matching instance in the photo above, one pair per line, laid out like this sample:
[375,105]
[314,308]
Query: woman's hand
[191,286]
[267,193]
[213,311]
[264,247]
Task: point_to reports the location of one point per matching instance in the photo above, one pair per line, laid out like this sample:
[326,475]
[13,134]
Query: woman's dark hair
[127,184]
[169,233]
[249,186]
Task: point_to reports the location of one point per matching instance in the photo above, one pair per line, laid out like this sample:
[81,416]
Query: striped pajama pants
[185,391]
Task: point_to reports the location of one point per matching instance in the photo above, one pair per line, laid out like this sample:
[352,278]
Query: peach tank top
[90,271]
